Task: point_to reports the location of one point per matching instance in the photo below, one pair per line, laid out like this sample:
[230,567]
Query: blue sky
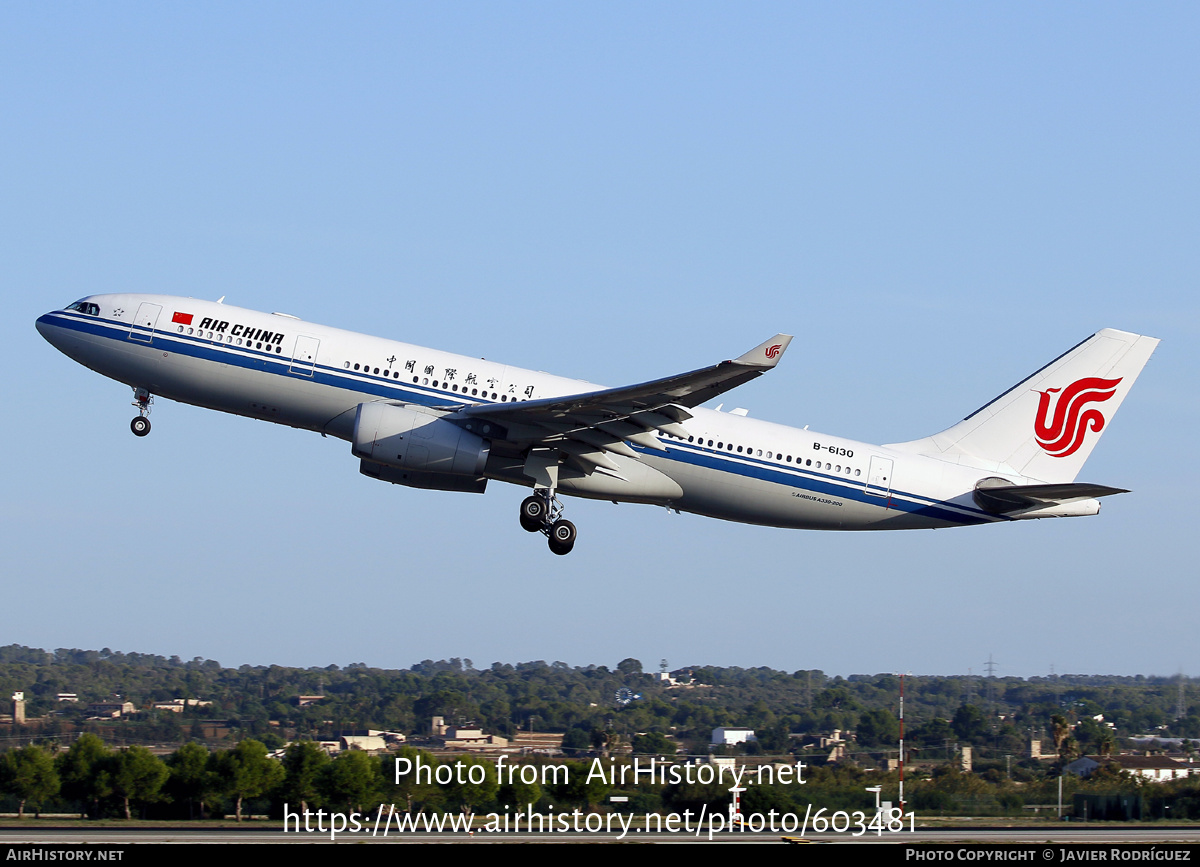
[936,199]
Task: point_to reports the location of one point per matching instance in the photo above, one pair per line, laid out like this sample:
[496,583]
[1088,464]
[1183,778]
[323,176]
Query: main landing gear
[541,513]
[142,400]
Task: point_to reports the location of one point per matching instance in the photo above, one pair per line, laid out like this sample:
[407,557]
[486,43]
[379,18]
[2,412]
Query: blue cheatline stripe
[268,362]
[741,465]
[757,469]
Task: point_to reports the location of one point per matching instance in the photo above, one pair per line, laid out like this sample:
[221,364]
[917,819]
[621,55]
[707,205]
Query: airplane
[434,420]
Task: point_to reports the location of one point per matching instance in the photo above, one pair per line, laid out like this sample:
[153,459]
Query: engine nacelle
[408,439]
[419,479]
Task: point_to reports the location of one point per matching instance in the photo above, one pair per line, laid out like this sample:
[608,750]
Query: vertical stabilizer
[1046,426]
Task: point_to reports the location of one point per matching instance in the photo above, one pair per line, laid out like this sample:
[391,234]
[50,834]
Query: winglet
[767,353]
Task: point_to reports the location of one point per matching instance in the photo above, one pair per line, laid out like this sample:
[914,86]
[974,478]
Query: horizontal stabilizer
[1001,497]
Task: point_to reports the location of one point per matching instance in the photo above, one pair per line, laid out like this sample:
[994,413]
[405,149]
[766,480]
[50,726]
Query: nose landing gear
[142,400]
[542,513]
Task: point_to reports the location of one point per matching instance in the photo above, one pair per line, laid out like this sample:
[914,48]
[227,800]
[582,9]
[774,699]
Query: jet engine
[409,439]
[428,481]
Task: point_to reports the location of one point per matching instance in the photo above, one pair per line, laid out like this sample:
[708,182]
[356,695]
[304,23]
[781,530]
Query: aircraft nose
[43,324]
[47,328]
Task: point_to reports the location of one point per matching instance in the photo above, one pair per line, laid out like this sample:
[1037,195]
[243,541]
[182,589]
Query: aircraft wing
[587,426]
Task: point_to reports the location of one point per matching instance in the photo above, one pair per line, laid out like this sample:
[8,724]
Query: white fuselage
[281,369]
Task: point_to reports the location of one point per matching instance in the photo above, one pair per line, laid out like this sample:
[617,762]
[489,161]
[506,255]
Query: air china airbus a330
[429,419]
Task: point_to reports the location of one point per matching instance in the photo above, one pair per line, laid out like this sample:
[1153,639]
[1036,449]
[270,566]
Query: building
[1156,769]
[463,738]
[467,737]
[538,743]
[110,709]
[728,736]
[373,744]
[177,705]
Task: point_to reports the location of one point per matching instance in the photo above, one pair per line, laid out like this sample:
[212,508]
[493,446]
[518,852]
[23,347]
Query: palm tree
[1060,730]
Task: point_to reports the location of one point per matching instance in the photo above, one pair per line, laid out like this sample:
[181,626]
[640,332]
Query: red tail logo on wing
[773,350]
[1062,435]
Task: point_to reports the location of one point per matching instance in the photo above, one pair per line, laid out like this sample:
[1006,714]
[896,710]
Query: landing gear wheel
[140,426]
[562,537]
[533,513]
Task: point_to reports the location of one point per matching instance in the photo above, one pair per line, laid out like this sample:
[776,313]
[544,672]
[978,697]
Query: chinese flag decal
[182,318]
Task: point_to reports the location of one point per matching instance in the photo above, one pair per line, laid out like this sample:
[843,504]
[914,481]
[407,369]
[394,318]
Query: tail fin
[1046,426]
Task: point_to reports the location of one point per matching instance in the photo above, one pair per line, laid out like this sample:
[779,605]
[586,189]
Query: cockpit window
[85,307]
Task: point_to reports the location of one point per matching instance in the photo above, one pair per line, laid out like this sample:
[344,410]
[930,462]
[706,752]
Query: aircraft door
[304,359]
[143,325]
[879,476]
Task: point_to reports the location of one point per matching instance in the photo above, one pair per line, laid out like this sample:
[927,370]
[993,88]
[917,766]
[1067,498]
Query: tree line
[98,781]
[997,716]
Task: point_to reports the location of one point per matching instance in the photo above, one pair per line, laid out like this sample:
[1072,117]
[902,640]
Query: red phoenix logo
[773,350]
[1063,435]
